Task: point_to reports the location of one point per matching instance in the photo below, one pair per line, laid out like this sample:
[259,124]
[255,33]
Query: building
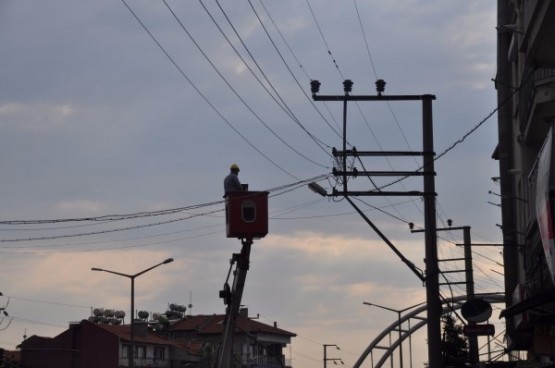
[191,341]
[93,345]
[525,83]
[255,344]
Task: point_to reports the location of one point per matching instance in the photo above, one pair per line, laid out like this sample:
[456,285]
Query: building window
[125,351]
[140,351]
[159,353]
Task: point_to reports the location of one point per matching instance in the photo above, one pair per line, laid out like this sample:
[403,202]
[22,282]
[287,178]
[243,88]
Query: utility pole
[326,359]
[431,278]
[469,282]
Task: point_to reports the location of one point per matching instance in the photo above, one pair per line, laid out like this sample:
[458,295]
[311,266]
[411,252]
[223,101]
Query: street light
[131,353]
[399,325]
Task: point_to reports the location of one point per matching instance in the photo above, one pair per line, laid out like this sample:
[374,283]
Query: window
[125,351]
[140,351]
[159,353]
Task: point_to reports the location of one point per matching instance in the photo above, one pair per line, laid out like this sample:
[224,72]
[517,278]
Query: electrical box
[246,214]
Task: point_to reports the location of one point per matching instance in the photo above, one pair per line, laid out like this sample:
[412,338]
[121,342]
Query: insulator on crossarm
[380,86]
[347,85]
[315,86]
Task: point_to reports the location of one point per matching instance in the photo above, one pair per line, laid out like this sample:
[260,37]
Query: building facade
[525,83]
[93,345]
[190,341]
[255,344]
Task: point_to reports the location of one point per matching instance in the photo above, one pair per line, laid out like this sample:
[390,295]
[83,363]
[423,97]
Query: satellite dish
[476,310]
[119,314]
[179,308]
[143,314]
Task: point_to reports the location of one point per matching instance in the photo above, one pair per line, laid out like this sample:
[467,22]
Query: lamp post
[399,324]
[326,355]
[131,353]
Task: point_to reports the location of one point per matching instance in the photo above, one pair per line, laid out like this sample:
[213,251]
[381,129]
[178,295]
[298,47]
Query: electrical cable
[280,190]
[286,65]
[202,95]
[243,101]
[324,39]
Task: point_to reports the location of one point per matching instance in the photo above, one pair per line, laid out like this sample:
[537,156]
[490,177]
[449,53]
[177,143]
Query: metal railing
[530,80]
[144,362]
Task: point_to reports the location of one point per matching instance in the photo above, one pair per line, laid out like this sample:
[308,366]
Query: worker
[231,181]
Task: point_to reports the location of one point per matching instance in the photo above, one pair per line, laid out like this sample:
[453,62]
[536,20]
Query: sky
[121,111]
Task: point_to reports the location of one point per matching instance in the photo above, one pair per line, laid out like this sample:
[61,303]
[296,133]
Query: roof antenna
[190,303]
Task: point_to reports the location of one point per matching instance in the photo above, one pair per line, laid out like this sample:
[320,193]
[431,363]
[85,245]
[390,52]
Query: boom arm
[232,298]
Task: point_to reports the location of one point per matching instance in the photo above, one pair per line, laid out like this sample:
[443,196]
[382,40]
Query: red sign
[479,330]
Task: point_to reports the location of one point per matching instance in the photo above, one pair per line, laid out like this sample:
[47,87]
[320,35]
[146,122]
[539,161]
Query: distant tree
[454,345]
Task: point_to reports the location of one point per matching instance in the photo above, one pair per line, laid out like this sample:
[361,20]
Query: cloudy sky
[131,108]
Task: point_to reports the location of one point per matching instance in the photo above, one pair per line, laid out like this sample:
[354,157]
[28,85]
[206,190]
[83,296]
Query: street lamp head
[169,260]
[96,269]
[316,188]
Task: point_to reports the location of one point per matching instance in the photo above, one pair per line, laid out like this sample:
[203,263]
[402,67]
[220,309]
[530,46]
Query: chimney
[244,313]
[140,327]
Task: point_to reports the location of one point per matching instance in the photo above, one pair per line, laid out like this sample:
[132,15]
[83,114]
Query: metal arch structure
[397,325]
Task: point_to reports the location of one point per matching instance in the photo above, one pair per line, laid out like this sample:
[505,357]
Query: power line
[324,39]
[48,302]
[203,96]
[283,59]
[279,191]
[243,101]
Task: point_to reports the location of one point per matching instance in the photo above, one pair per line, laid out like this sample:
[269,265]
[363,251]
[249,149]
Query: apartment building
[525,83]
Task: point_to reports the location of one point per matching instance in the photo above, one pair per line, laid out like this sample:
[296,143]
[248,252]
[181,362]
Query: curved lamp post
[131,353]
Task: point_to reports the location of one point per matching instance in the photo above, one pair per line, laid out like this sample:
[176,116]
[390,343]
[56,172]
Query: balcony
[536,103]
[538,43]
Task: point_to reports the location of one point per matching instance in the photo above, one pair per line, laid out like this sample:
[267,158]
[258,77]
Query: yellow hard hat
[234,167]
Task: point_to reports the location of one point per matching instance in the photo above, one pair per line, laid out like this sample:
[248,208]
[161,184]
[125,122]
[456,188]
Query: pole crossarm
[381,193]
[380,97]
[355,173]
[355,152]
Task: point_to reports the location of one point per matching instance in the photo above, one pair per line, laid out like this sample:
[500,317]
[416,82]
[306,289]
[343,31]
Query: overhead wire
[202,95]
[303,69]
[281,103]
[324,39]
[243,101]
[280,190]
[285,64]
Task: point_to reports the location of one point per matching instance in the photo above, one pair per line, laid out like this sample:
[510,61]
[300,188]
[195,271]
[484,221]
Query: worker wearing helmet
[231,181]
